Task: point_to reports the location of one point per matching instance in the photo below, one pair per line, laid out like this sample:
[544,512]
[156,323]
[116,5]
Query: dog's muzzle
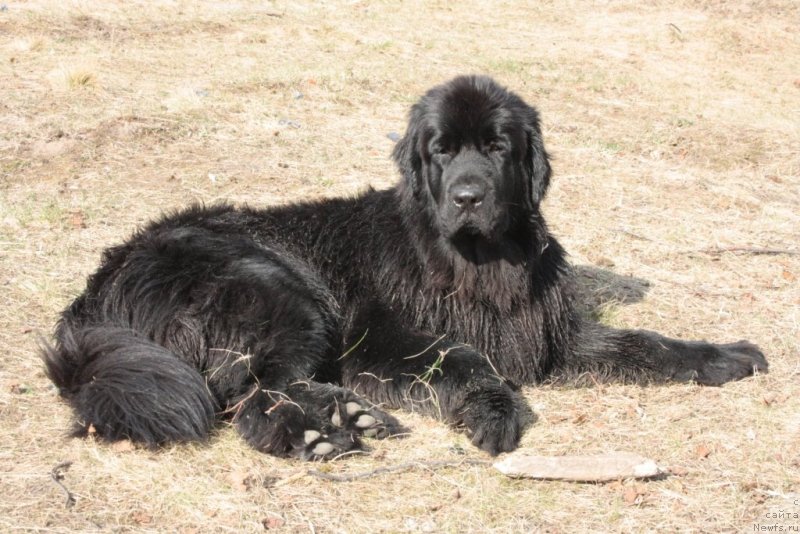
[469,207]
[468,197]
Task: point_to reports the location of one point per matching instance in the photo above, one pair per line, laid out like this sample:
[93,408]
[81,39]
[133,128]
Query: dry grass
[675,127]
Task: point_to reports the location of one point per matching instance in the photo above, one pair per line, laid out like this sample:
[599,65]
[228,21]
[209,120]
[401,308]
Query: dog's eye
[439,150]
[496,146]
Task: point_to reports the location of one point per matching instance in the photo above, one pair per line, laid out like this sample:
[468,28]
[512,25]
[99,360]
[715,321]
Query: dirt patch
[48,150]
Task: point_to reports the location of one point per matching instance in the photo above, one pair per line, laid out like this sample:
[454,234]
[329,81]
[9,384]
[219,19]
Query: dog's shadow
[599,289]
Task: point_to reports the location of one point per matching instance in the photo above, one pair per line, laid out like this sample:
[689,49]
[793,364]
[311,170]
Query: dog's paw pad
[323,448]
[364,419]
[319,446]
[352,408]
[371,432]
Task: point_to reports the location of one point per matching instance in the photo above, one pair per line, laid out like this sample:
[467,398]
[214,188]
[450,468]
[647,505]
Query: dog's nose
[468,196]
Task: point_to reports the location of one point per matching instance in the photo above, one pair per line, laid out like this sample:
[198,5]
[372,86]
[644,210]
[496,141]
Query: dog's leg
[421,372]
[642,356]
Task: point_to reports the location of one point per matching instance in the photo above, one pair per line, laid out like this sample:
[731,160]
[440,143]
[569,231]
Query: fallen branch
[596,468]
[394,469]
[57,474]
[748,250]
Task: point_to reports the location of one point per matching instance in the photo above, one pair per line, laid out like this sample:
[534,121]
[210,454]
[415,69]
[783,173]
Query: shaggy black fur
[437,295]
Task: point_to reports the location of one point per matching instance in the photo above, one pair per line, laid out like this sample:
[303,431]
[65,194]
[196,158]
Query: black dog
[437,295]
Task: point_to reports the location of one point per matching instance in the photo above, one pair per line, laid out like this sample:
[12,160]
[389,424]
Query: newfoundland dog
[299,323]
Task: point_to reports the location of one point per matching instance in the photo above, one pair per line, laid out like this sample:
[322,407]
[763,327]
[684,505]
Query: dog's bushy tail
[123,386]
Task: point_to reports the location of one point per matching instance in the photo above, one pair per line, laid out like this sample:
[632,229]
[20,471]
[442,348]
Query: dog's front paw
[494,417]
[358,416]
[713,365]
[316,446]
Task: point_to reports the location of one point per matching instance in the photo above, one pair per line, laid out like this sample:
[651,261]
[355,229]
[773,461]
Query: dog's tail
[123,386]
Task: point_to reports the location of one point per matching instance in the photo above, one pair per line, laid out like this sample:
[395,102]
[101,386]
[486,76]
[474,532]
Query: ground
[674,127]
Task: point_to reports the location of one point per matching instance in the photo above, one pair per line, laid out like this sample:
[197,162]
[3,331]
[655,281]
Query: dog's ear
[406,152]
[537,163]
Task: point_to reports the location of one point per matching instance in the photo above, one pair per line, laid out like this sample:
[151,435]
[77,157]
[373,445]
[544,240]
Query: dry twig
[57,474]
[395,468]
[756,251]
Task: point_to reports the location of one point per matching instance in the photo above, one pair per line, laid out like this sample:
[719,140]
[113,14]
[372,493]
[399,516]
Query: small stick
[749,250]
[394,469]
[633,234]
[57,474]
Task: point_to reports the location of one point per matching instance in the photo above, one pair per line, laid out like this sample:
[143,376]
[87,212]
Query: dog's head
[473,156]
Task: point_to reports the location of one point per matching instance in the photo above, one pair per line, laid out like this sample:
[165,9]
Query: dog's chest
[515,340]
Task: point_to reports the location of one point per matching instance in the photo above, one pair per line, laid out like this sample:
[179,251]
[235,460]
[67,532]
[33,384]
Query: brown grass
[675,129]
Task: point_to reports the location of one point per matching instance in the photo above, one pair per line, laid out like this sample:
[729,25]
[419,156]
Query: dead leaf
[77,219]
[240,480]
[580,419]
[633,495]
[17,388]
[124,445]
[770,398]
[272,522]
[629,496]
[678,471]
[142,518]
[702,451]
